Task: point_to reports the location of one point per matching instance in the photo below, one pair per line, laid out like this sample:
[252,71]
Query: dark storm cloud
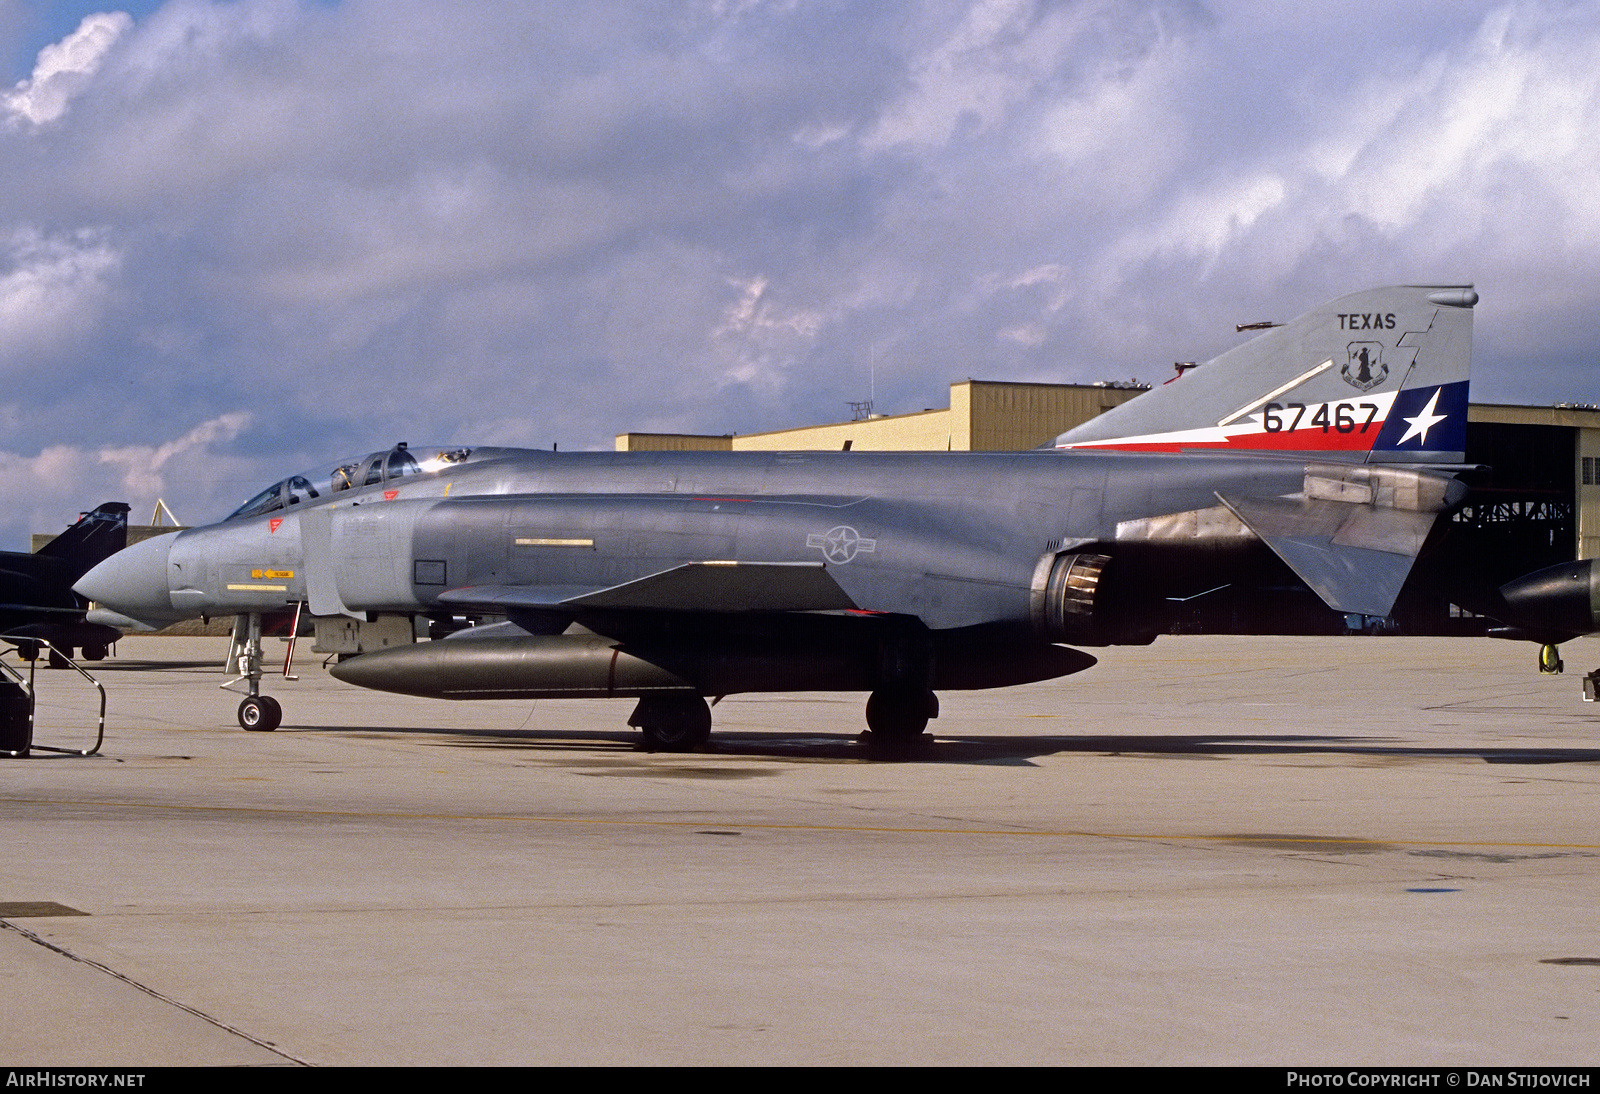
[241,237]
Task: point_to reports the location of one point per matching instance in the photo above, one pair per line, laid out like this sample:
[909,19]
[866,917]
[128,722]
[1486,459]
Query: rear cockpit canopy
[390,466]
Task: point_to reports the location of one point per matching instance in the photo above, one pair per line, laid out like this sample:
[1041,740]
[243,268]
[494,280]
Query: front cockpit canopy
[389,466]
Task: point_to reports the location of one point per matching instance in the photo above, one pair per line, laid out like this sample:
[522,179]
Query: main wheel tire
[899,714]
[260,714]
[60,659]
[673,724]
[94,653]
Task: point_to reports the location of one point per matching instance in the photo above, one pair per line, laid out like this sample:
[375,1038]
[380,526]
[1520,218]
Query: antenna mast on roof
[861,410]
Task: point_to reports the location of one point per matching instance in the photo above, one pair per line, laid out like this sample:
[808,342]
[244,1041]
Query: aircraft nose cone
[133,581]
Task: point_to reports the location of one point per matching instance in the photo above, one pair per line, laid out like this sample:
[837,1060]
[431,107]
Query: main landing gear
[60,657]
[898,717]
[899,709]
[901,714]
[57,658]
[672,723]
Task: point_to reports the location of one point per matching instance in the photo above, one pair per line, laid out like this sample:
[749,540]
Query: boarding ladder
[19,697]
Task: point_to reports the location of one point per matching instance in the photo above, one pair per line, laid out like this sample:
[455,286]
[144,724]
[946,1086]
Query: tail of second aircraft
[1378,376]
[94,538]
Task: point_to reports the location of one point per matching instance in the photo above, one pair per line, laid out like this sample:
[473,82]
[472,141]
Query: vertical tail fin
[94,538]
[1378,376]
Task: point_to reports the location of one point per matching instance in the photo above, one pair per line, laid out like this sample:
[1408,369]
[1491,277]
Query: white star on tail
[1423,422]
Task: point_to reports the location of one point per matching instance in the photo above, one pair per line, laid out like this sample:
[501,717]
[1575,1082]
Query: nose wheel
[260,714]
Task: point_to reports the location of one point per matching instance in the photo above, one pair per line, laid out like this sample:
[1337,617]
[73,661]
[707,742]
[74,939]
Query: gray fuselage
[950,539]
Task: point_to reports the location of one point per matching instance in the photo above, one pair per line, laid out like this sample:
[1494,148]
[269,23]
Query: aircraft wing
[694,586]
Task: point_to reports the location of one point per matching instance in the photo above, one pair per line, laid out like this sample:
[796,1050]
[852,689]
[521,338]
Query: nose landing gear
[257,713]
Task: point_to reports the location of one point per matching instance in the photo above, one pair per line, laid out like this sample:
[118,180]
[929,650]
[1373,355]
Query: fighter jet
[1321,450]
[1553,604]
[1549,607]
[36,600]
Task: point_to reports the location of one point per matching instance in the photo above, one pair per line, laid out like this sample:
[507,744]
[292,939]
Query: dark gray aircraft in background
[1550,606]
[1323,448]
[37,605]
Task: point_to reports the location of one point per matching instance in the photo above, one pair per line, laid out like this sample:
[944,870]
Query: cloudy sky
[241,238]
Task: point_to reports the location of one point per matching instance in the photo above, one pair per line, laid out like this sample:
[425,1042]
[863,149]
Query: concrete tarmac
[1291,851]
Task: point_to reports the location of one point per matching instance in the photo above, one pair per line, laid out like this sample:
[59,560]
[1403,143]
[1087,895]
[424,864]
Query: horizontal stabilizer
[1355,557]
[694,586]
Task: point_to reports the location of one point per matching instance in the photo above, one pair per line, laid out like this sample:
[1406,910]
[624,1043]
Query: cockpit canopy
[397,463]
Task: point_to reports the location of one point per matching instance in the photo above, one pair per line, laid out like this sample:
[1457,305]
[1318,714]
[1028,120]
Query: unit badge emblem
[1364,368]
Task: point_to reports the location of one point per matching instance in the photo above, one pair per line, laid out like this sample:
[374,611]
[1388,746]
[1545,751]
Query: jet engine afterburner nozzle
[1062,600]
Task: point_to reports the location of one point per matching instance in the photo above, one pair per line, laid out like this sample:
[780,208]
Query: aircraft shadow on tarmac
[129,664]
[961,749]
